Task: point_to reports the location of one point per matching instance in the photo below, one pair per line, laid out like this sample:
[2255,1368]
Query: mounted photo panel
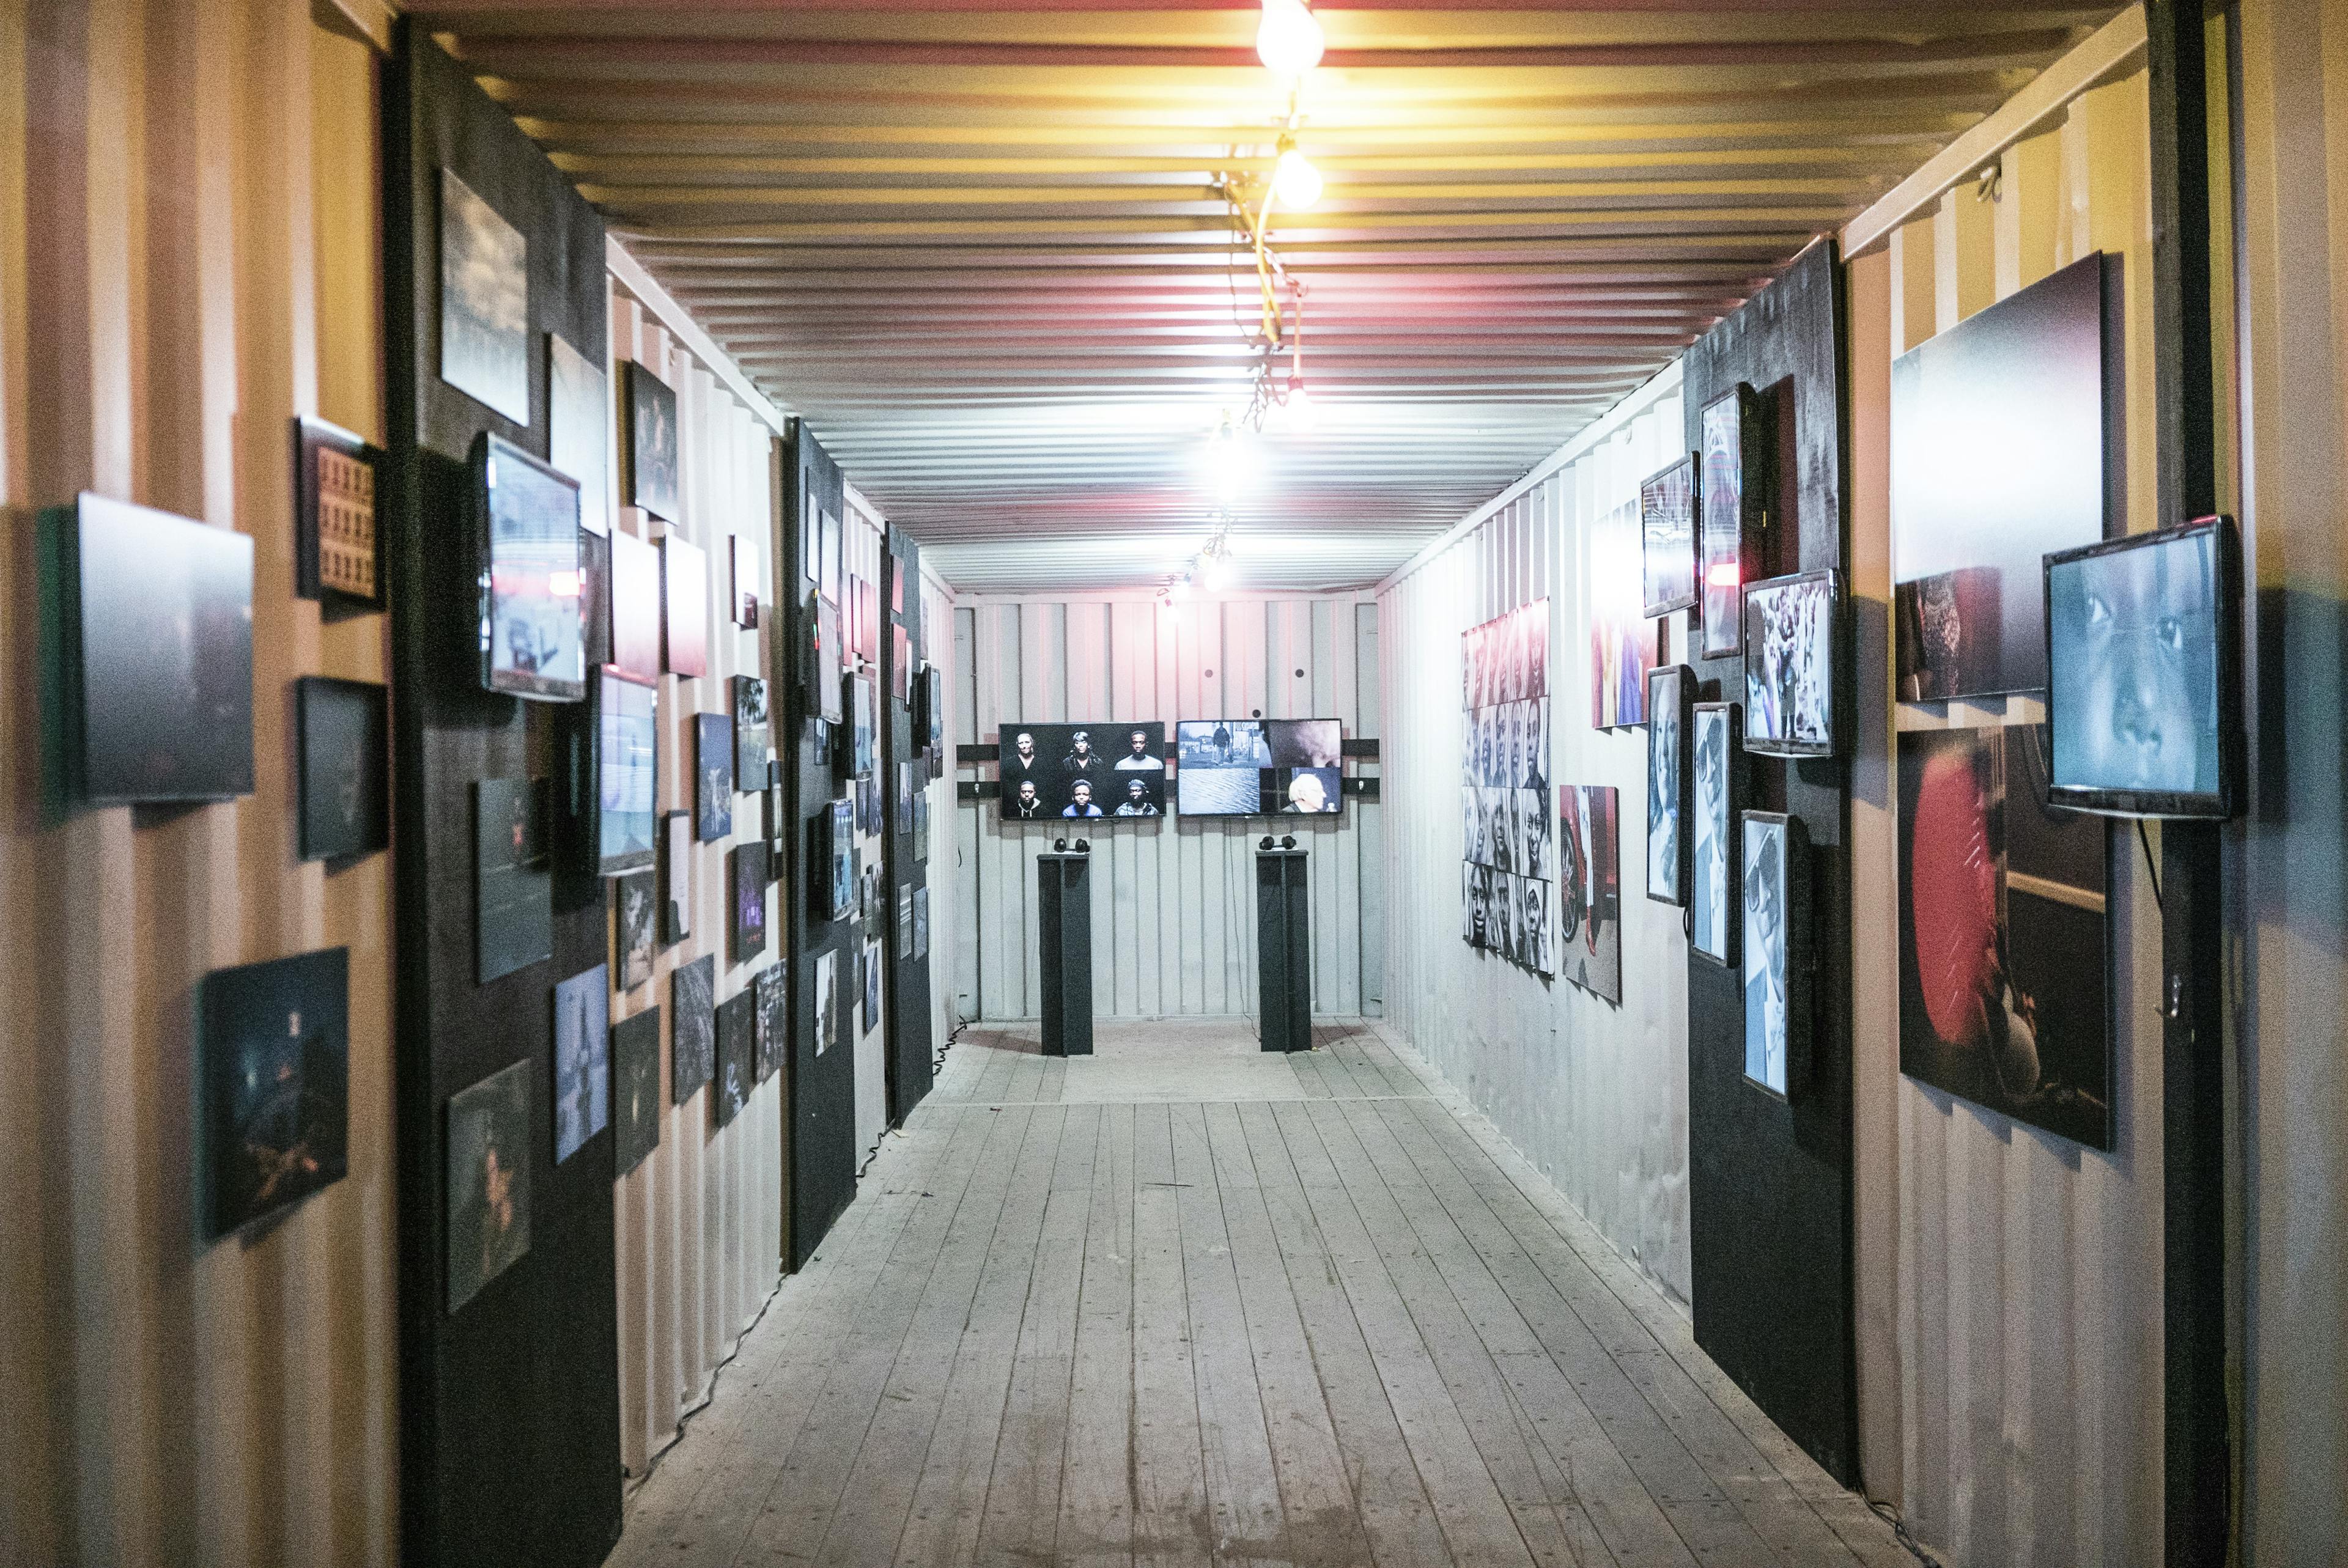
[1719,795]
[651,444]
[676,876]
[635,607]
[1051,772]
[484,302]
[635,1089]
[684,608]
[634,920]
[533,643]
[747,890]
[737,1048]
[1793,640]
[1777,957]
[513,879]
[582,1060]
[488,1180]
[713,759]
[1732,509]
[578,430]
[1667,539]
[752,733]
[627,772]
[693,1002]
[273,1086]
[344,754]
[1671,721]
[336,548]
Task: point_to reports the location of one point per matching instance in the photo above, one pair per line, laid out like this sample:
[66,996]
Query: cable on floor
[1906,1537]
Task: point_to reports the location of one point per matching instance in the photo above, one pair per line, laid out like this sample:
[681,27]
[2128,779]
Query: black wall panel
[911,1051]
[1770,1178]
[510,1446]
[821,1146]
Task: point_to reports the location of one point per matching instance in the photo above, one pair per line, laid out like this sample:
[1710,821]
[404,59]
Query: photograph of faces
[334,540]
[634,901]
[773,1022]
[1670,709]
[738,1047]
[2143,640]
[532,641]
[743,552]
[1504,771]
[751,735]
[692,1001]
[345,768]
[1258,767]
[1997,458]
[513,884]
[1719,795]
[627,768]
[1775,941]
[748,864]
[827,1001]
[578,417]
[582,1060]
[635,1090]
[676,876]
[1589,890]
[484,302]
[652,443]
[904,922]
[1622,638]
[843,858]
[871,985]
[595,598]
[685,601]
[1790,636]
[635,606]
[712,760]
[2005,941]
[1667,539]
[488,1180]
[1072,770]
[159,639]
[273,1085]
[920,922]
[1730,491]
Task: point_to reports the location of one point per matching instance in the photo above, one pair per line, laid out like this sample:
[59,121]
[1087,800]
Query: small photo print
[1713,892]
[693,1002]
[582,1060]
[634,899]
[488,1180]
[272,1078]
[484,302]
[827,1001]
[652,443]
[635,1079]
[712,755]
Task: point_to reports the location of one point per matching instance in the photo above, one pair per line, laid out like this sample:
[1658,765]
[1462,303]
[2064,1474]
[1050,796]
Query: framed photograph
[676,876]
[908,784]
[2144,639]
[752,735]
[1731,504]
[533,643]
[747,865]
[635,1089]
[843,858]
[863,731]
[1792,639]
[1776,943]
[932,731]
[1589,889]
[635,606]
[737,1048]
[484,302]
[651,444]
[826,661]
[334,547]
[1667,539]
[1671,719]
[155,660]
[273,1086]
[684,604]
[693,1002]
[868,623]
[582,1060]
[827,1000]
[900,664]
[344,752]
[905,922]
[778,824]
[773,1021]
[871,985]
[2006,947]
[2000,442]
[595,597]
[488,1180]
[514,877]
[828,542]
[920,923]
[921,824]
[1622,639]
[713,756]
[634,901]
[627,772]
[1719,795]
[743,551]
[579,428]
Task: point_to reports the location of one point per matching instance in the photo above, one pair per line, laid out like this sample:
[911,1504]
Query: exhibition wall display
[1259,767]
[1092,770]
[1504,792]
[1590,894]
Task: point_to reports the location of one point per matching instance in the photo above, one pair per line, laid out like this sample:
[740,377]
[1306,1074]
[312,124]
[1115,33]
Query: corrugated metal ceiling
[980,247]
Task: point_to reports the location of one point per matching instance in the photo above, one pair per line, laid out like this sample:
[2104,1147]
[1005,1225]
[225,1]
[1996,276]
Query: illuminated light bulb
[1721,574]
[1288,40]
[1304,413]
[1217,572]
[1294,182]
[1179,588]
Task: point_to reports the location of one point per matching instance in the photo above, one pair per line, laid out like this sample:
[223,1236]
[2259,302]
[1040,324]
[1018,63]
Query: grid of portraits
[1509,856]
[1082,771]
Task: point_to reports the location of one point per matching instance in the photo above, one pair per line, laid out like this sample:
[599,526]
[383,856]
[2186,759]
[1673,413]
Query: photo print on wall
[1776,943]
[827,1000]
[1719,766]
[749,900]
[634,902]
[582,1060]
[652,443]
[1667,539]
[751,735]
[513,881]
[712,758]
[773,1021]
[1791,639]
[676,876]
[334,548]
[1509,859]
[1731,508]
[533,641]
[871,985]
[627,768]
[579,428]
[692,1001]
[684,606]
[488,1180]
[1671,713]
[345,768]
[1622,638]
[2004,939]
[1589,889]
[737,1046]
[595,597]
[635,606]
[635,1089]
[273,1086]
[484,302]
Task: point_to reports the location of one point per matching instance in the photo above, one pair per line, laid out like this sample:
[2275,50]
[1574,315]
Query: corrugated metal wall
[2009,1280]
[949,875]
[1173,901]
[700,1222]
[187,258]
[1595,1094]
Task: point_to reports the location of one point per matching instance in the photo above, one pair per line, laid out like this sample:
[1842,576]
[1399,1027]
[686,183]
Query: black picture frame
[337,553]
[1733,478]
[737,1066]
[273,1087]
[344,767]
[772,1024]
[1716,747]
[713,759]
[693,1004]
[635,1089]
[1777,865]
[527,535]
[636,924]
[1667,538]
[1671,721]
[1816,726]
[2208,635]
[652,443]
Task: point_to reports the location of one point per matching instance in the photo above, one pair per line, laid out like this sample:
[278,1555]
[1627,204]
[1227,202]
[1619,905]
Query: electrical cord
[2150,870]
[1906,1537]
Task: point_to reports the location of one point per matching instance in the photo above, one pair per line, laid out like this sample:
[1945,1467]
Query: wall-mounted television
[1259,767]
[1111,769]
[2143,655]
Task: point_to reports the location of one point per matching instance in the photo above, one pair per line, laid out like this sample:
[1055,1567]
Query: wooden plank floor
[1180,1303]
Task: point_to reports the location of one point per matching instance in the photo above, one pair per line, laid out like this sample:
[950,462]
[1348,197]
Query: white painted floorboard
[1182,1303]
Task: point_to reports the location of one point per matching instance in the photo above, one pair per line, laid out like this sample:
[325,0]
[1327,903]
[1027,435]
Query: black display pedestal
[1283,949]
[1064,900]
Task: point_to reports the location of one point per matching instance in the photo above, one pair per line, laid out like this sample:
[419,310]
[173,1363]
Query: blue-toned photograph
[582,1060]
[627,770]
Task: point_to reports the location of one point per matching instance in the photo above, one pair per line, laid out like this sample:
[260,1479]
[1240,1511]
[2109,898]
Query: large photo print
[1508,907]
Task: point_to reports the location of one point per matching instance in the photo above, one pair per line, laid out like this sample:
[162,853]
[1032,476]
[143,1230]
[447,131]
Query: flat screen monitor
[1055,772]
[1259,767]
[2143,645]
[532,641]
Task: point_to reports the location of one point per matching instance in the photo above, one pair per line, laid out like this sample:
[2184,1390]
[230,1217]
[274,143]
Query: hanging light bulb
[1294,182]
[1288,40]
[1304,413]
[1215,570]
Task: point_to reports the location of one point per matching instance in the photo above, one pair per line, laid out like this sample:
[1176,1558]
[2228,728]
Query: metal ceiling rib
[979,245]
